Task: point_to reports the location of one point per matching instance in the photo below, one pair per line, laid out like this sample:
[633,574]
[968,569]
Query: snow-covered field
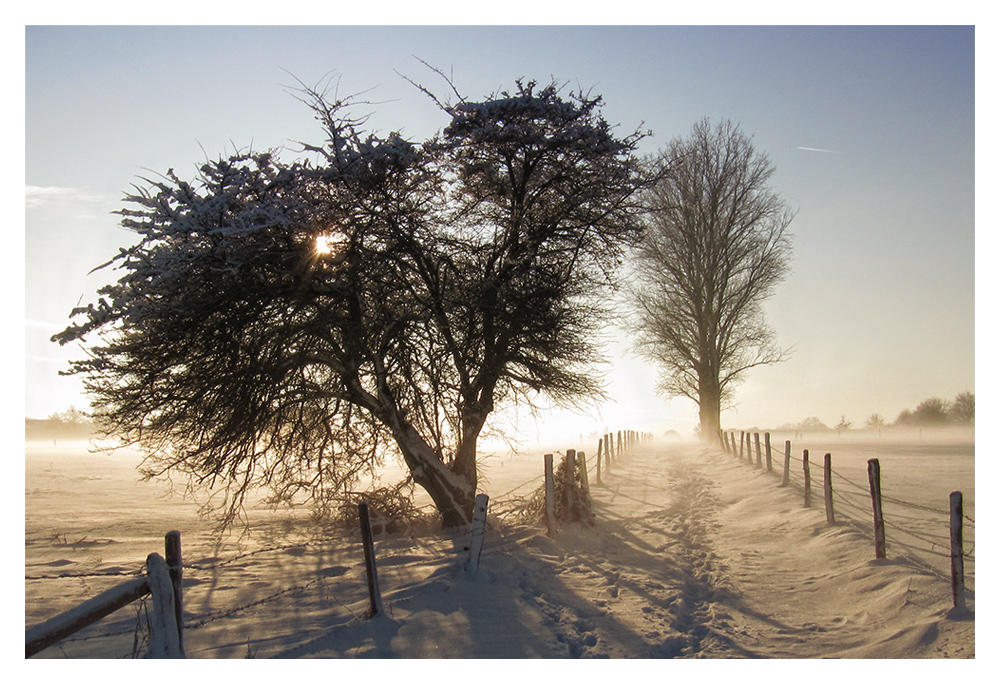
[695,554]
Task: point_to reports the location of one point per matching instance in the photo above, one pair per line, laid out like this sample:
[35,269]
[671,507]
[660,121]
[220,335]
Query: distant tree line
[929,413]
[938,411]
[68,424]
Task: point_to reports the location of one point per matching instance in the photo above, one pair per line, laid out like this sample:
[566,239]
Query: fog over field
[694,553]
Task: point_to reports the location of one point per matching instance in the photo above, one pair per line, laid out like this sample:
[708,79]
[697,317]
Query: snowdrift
[695,554]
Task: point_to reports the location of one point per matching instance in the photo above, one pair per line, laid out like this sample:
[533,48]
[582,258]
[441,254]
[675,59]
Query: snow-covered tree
[287,325]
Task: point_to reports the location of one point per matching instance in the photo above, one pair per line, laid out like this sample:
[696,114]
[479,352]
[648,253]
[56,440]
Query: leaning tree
[286,326]
[716,245]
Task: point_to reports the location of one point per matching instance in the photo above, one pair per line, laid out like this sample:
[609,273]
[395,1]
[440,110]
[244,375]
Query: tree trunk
[453,491]
[709,408]
[454,495]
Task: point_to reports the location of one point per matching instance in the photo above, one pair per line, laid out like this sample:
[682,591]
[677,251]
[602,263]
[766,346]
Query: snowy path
[694,555]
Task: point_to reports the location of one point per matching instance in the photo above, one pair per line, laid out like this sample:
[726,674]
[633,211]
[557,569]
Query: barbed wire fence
[132,630]
[914,527]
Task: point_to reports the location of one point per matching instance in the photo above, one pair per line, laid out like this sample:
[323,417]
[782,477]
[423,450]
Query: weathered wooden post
[732,440]
[175,564]
[570,474]
[598,477]
[550,496]
[957,551]
[756,443]
[621,448]
[164,641]
[478,532]
[749,450]
[767,450]
[581,458]
[828,487]
[742,434]
[374,595]
[788,463]
[875,486]
[805,475]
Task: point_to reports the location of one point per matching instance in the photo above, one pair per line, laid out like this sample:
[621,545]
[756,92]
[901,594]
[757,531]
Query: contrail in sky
[817,149]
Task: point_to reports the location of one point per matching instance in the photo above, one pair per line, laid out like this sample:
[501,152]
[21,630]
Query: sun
[329,243]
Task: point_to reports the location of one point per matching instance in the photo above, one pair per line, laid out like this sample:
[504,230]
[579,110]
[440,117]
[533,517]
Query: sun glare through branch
[329,243]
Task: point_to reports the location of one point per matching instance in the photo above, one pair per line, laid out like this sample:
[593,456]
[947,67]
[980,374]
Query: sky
[871,130]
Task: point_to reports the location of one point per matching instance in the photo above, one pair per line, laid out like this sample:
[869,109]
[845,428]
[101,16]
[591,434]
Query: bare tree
[843,425]
[875,421]
[288,325]
[716,245]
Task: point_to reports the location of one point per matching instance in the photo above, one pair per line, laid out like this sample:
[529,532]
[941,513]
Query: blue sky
[872,131]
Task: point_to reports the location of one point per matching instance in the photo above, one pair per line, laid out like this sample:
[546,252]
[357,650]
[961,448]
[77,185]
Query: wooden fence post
[756,444]
[584,477]
[828,487]
[732,440]
[875,486]
[749,450]
[570,474]
[598,479]
[788,462]
[172,552]
[478,532]
[741,444]
[805,474]
[550,496]
[164,640]
[374,595]
[957,551]
[767,450]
